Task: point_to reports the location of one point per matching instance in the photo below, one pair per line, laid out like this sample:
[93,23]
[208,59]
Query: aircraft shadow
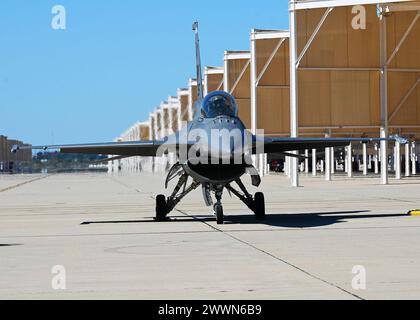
[308,220]
[295,220]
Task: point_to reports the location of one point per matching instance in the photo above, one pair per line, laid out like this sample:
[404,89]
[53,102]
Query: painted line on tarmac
[267,253]
[23,183]
[274,256]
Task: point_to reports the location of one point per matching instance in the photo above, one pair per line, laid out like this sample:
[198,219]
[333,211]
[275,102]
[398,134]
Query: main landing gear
[165,205]
[256,203]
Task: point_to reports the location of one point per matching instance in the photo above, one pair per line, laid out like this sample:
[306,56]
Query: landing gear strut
[256,203]
[218,208]
[165,206]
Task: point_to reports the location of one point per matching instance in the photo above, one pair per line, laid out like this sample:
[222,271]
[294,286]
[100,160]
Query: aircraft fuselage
[221,153]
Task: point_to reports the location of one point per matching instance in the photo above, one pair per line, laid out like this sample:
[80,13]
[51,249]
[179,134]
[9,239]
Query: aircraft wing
[135,148]
[279,145]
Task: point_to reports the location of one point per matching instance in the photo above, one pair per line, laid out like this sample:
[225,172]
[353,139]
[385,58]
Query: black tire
[161,208]
[219,213]
[259,206]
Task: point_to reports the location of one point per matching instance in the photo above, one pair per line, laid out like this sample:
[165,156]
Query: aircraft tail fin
[200,89]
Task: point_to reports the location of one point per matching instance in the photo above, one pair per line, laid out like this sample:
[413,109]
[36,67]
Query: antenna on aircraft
[200,89]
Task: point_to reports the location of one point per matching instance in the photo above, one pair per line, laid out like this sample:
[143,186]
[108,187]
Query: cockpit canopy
[219,103]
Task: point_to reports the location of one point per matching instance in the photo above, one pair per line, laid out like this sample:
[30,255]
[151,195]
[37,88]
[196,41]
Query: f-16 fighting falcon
[214,151]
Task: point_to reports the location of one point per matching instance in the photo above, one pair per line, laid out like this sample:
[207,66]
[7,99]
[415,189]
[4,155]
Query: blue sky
[115,62]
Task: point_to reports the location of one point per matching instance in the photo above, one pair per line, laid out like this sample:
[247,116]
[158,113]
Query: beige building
[10,161]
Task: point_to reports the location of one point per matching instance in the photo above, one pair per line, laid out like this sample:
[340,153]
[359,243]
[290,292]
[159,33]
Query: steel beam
[337,69]
[241,75]
[314,34]
[403,100]
[302,5]
[404,37]
[270,59]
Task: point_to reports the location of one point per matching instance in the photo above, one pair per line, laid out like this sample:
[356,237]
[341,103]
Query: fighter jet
[214,151]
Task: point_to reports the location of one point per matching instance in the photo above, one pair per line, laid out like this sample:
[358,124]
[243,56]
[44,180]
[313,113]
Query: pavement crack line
[273,256]
[23,183]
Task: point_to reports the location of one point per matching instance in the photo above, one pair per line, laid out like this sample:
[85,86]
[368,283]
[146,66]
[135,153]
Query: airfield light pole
[293,90]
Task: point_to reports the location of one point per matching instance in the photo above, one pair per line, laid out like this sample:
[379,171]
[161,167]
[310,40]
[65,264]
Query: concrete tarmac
[100,228]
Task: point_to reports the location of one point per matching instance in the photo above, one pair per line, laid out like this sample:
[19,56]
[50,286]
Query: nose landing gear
[256,203]
[218,208]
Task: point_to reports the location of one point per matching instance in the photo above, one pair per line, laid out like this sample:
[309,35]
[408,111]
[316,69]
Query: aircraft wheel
[161,208]
[259,203]
[219,213]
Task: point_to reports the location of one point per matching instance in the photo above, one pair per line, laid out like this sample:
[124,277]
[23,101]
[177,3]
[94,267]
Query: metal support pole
[349,161]
[226,74]
[332,161]
[365,162]
[395,158]
[266,168]
[256,160]
[328,162]
[376,159]
[398,161]
[346,163]
[384,100]
[413,158]
[407,159]
[253,87]
[293,91]
[261,164]
[307,161]
[314,158]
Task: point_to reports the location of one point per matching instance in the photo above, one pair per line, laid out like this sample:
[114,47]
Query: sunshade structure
[355,69]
